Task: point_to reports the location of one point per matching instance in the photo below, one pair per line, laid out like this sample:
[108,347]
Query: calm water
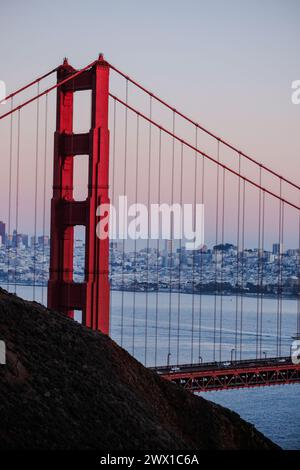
[273,410]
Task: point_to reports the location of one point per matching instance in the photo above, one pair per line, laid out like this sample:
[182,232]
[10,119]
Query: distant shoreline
[176,291]
[218,294]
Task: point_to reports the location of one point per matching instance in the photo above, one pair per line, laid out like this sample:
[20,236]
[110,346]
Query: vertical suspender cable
[124,215]
[298,296]
[44,193]
[112,221]
[238,287]
[281,277]
[17,198]
[201,267]
[222,263]
[8,241]
[278,276]
[279,272]
[36,190]
[148,245]
[243,268]
[170,260]
[158,249]
[262,275]
[259,256]
[135,240]
[194,223]
[216,256]
[179,267]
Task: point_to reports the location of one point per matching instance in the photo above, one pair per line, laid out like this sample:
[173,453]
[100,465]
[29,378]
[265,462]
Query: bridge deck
[232,374]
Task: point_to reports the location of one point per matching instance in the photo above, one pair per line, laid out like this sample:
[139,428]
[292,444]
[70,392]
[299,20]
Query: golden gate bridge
[140,146]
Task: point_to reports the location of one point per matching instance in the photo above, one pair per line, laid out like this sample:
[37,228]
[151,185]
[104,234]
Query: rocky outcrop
[67,387]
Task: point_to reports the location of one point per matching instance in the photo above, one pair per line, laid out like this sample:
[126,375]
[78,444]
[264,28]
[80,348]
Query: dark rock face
[67,387]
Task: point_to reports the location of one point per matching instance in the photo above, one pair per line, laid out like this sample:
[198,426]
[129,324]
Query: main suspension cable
[202,128]
[206,155]
[28,85]
[48,90]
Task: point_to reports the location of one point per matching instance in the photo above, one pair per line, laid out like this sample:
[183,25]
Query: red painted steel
[257,375]
[91,296]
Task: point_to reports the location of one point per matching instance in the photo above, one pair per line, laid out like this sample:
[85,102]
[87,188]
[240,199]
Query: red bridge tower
[65,295]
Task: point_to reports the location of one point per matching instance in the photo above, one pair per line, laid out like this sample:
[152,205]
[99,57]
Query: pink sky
[229,66]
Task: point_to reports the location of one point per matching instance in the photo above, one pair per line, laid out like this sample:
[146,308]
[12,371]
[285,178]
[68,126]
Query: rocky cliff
[67,387]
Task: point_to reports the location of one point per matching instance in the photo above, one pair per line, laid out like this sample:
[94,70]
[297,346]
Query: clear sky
[227,64]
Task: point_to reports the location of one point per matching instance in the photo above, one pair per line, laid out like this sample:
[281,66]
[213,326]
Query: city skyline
[150,243]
